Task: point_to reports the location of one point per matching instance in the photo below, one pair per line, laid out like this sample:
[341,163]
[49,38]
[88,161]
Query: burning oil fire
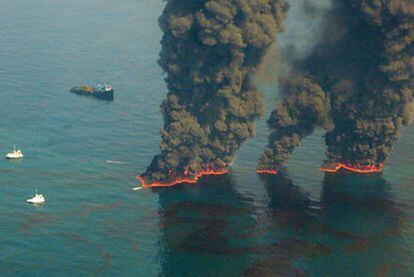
[185,180]
[355,168]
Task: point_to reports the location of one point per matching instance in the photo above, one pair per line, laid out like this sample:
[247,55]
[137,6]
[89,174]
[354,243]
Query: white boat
[137,188]
[16,154]
[37,199]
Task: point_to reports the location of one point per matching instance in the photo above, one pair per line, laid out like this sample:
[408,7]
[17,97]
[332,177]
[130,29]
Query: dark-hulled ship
[99,91]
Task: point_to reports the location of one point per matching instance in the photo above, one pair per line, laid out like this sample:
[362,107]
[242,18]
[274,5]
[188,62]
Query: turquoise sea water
[301,222]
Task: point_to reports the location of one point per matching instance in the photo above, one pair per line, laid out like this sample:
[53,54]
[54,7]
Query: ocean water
[298,223]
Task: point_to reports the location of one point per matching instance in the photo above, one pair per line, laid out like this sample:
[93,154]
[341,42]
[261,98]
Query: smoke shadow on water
[355,228]
[197,223]
[289,212]
[369,225]
[212,229]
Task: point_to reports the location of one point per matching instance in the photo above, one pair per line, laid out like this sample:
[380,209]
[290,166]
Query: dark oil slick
[300,222]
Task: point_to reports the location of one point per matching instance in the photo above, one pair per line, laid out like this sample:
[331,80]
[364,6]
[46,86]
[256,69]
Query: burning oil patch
[210,50]
[357,84]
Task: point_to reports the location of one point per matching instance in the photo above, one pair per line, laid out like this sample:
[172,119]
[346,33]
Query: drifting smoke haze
[210,50]
[296,42]
[357,84]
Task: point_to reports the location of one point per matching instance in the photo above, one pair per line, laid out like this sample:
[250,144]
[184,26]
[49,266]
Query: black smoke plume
[210,49]
[357,83]
[295,117]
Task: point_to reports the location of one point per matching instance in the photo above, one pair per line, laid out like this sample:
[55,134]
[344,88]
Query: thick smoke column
[305,107]
[365,65]
[210,49]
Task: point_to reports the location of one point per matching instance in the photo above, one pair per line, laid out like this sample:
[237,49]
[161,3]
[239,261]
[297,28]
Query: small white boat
[137,188]
[16,154]
[37,199]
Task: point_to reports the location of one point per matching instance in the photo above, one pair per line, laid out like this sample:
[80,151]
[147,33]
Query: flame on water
[266,171]
[332,167]
[362,169]
[178,180]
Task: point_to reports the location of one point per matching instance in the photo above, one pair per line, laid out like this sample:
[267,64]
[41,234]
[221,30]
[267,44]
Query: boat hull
[34,201]
[12,157]
[106,95]
[38,199]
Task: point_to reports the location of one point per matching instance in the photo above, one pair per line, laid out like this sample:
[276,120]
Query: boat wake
[115,162]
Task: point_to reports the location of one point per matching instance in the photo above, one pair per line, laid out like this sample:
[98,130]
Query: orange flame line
[355,169]
[177,181]
[363,170]
[266,171]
